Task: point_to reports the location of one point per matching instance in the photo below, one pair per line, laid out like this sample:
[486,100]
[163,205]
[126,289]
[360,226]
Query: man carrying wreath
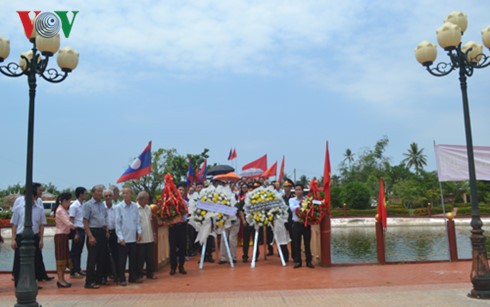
[300,230]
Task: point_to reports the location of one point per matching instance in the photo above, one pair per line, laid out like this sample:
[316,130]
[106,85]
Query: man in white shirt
[128,231]
[38,222]
[76,217]
[300,230]
[146,246]
[112,247]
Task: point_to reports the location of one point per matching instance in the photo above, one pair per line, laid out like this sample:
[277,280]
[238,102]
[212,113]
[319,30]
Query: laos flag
[140,166]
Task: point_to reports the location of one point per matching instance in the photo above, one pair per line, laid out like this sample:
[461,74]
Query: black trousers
[146,255]
[249,231]
[39,267]
[269,236]
[177,243]
[96,258]
[76,251]
[299,230]
[112,259]
[191,237]
[129,250]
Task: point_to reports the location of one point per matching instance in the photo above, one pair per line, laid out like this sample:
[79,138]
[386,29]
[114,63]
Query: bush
[356,195]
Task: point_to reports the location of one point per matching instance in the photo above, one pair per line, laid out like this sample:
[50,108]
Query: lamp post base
[480,273]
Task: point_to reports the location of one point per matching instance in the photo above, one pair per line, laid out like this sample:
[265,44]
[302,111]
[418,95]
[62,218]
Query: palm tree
[415,158]
[349,156]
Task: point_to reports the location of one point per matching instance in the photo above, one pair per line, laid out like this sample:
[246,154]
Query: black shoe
[222,262]
[172,271]
[136,281]
[209,259]
[151,277]
[82,273]
[102,282]
[182,270]
[59,285]
[39,287]
[123,283]
[92,286]
[234,261]
[48,278]
[310,265]
[297,265]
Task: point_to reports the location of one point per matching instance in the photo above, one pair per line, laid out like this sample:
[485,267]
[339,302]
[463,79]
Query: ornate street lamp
[464,58]
[31,64]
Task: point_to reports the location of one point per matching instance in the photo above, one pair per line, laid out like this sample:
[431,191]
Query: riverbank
[346,222]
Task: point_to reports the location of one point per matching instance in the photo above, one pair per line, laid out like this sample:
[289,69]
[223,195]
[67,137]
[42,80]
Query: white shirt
[294,203]
[76,212]
[20,201]
[146,229]
[111,216]
[18,217]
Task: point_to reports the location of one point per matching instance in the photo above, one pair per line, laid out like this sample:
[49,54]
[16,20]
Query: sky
[275,77]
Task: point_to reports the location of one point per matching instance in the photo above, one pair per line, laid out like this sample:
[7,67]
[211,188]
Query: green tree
[415,158]
[356,195]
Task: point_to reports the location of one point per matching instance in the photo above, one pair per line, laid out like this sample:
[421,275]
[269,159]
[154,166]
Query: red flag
[382,212]
[326,179]
[233,154]
[281,171]
[260,163]
[229,155]
[271,171]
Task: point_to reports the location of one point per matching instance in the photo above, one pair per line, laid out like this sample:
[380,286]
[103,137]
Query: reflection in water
[408,243]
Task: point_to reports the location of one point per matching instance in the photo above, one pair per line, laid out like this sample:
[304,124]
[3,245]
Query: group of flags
[232,155]
[142,166]
[199,175]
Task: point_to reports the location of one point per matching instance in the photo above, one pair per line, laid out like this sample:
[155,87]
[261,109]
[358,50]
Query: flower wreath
[310,211]
[218,195]
[269,199]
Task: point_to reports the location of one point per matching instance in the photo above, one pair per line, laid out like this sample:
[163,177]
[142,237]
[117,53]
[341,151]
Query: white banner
[224,209]
[452,162]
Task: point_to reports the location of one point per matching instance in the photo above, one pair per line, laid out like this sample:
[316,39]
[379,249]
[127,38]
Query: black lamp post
[464,58]
[31,64]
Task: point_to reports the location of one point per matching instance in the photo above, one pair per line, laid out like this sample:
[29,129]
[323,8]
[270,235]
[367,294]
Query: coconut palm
[349,156]
[415,157]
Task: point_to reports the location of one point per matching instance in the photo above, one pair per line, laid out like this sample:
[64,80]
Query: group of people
[114,232]
[241,232]
[117,232]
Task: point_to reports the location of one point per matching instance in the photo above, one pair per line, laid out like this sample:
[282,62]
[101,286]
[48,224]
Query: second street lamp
[465,58]
[31,64]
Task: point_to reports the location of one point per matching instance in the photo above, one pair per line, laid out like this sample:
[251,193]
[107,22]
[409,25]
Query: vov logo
[47,24]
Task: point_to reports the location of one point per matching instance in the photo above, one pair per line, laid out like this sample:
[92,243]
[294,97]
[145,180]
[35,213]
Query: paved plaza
[270,284]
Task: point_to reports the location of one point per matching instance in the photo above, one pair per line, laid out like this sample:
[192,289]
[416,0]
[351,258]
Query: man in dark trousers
[177,239]
[76,217]
[300,230]
[94,222]
[287,195]
[128,231]
[38,222]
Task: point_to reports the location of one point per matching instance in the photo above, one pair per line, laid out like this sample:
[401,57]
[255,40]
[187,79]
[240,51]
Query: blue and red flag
[190,173]
[201,173]
[141,166]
